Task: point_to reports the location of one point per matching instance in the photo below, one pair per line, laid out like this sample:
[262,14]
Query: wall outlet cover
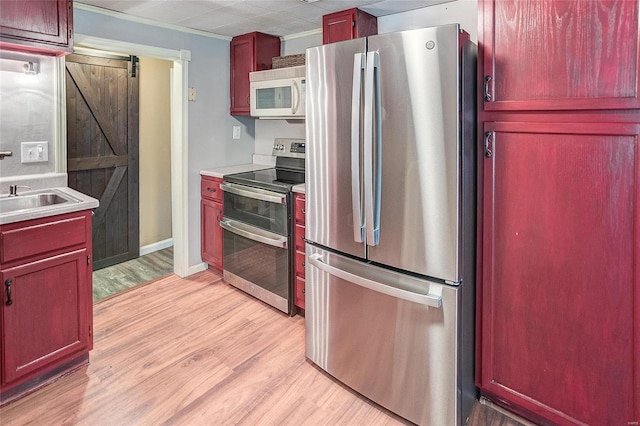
[236,132]
[34,152]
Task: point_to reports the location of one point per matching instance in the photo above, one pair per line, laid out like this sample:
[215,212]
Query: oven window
[258,263]
[262,214]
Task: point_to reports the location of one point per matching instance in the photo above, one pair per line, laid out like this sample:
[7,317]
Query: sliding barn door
[102,151]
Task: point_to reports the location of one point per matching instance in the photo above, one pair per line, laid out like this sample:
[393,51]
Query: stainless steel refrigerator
[391,212]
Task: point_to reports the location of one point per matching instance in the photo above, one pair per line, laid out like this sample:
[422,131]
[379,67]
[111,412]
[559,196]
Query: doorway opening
[178,135]
[132,238]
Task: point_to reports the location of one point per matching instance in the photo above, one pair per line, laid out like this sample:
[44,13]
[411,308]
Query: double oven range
[258,226]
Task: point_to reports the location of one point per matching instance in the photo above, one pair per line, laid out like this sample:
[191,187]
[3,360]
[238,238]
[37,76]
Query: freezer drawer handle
[257,194]
[423,299]
[280,242]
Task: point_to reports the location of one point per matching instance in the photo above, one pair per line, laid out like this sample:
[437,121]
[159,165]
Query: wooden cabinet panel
[211,214]
[560,291]
[42,26]
[210,188]
[249,52]
[46,311]
[25,241]
[300,260]
[47,320]
[347,25]
[299,292]
[554,55]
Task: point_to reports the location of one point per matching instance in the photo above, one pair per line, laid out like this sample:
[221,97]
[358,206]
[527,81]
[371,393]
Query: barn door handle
[8,284]
[487,95]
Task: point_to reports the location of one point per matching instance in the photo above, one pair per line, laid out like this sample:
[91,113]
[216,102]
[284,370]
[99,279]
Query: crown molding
[145,21]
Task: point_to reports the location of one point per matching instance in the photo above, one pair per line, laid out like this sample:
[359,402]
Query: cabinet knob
[8,284]
[211,189]
[303,211]
[304,290]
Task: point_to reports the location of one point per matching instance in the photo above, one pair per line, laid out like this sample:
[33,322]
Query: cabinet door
[48,318]
[560,290]
[338,26]
[242,58]
[560,54]
[37,23]
[211,238]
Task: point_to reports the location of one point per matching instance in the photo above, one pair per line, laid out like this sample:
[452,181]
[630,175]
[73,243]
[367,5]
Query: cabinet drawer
[210,188]
[300,209]
[300,264]
[299,290]
[38,236]
[299,238]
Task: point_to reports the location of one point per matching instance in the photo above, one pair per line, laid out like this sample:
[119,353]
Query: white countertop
[220,172]
[300,188]
[79,201]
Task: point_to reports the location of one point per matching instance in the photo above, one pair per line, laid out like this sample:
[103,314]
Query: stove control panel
[288,147]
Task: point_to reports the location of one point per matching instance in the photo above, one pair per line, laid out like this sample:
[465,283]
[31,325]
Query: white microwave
[278,93]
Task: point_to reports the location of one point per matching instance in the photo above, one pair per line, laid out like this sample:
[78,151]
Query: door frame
[179,134]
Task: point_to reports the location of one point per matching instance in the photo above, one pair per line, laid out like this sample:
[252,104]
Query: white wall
[28,106]
[210,125]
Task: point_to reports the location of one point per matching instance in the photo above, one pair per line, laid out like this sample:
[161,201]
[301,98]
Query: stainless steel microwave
[278,93]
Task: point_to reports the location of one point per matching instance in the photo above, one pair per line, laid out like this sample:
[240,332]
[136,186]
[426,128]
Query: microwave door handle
[356,197]
[372,105]
[296,97]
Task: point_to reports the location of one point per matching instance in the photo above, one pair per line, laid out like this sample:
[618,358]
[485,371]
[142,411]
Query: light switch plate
[236,132]
[34,152]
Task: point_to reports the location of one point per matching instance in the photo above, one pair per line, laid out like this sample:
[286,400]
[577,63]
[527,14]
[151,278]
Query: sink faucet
[13,189]
[5,154]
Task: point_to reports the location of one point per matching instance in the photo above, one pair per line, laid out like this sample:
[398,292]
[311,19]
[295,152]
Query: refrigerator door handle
[356,198]
[434,301]
[372,189]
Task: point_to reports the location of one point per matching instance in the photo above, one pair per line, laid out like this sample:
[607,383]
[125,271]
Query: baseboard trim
[150,248]
[194,269]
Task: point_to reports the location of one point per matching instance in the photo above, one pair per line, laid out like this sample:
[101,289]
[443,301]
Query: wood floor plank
[196,351]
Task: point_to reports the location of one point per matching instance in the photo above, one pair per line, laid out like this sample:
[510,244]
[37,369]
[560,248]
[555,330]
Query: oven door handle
[255,193]
[255,234]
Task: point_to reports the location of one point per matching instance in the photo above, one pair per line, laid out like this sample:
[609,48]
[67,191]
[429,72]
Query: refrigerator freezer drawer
[390,337]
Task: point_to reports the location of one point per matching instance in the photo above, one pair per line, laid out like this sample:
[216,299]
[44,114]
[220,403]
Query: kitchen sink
[34,201]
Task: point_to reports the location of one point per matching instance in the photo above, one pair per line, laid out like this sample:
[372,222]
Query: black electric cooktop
[278,180]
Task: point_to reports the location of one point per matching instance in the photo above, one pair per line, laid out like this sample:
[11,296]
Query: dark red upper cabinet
[347,25]
[38,26]
[249,52]
[554,55]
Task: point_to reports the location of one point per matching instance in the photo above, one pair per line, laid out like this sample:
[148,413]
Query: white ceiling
[234,17]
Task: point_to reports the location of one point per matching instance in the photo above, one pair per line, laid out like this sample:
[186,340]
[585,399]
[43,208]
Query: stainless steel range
[258,226]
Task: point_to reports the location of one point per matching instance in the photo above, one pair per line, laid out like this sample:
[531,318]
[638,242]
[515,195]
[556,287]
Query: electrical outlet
[192,93]
[34,152]
[236,132]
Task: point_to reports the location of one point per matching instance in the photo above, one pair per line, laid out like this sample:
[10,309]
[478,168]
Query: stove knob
[281,147]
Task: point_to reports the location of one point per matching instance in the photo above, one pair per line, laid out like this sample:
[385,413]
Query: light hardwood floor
[196,351]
